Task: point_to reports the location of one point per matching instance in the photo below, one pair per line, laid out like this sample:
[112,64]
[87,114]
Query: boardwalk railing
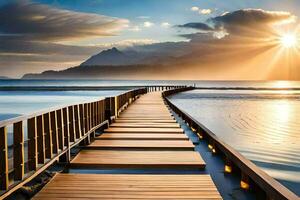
[251,175]
[30,144]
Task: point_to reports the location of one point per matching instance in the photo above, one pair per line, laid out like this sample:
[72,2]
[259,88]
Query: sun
[288,40]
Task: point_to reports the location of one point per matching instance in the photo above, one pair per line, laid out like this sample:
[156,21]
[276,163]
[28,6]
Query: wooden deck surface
[145,136]
[145,120]
[143,130]
[145,125]
[138,159]
[143,144]
[108,186]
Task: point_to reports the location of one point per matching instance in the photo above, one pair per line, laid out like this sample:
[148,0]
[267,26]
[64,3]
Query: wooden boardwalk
[145,136]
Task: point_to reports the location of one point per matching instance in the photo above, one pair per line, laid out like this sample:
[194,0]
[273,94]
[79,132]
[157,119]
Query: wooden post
[94,111]
[66,157]
[116,106]
[77,122]
[108,109]
[86,118]
[99,114]
[93,114]
[48,136]
[4,181]
[60,129]
[82,119]
[32,144]
[54,131]
[18,159]
[90,116]
[41,140]
[71,124]
[102,111]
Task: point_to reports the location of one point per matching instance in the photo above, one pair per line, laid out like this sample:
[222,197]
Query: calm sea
[264,125]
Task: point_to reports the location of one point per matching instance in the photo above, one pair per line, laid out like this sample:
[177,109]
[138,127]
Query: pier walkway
[144,136]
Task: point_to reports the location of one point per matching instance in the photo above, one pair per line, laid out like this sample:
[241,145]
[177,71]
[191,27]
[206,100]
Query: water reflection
[264,126]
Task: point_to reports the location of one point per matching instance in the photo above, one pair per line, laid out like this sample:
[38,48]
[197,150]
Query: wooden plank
[60,129]
[18,159]
[143,144]
[138,159]
[77,122]
[82,120]
[144,130]
[144,136]
[71,124]
[4,180]
[32,144]
[54,132]
[41,139]
[145,120]
[118,186]
[145,125]
[48,136]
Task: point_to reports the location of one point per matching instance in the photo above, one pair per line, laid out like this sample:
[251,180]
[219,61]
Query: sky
[56,34]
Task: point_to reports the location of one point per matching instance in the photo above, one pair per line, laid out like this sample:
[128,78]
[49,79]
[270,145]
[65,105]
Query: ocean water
[263,125]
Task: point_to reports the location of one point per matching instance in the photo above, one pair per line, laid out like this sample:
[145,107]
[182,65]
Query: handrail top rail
[258,175]
[51,109]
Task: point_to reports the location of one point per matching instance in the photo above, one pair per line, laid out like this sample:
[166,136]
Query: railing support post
[41,139]
[4,181]
[54,131]
[48,136]
[18,159]
[65,158]
[60,129]
[32,144]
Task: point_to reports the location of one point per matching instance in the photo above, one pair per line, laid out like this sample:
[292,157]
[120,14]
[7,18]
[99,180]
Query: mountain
[113,57]
[113,63]
[106,72]
[4,77]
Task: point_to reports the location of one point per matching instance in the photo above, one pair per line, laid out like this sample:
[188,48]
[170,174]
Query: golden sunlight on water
[263,125]
[281,84]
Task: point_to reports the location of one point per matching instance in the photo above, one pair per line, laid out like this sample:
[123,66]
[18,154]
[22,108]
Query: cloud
[251,18]
[165,24]
[198,26]
[135,28]
[205,11]
[246,21]
[128,43]
[34,37]
[194,8]
[148,24]
[41,22]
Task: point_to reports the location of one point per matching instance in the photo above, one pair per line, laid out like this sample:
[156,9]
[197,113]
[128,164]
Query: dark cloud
[12,44]
[33,36]
[250,21]
[249,17]
[242,21]
[197,26]
[37,21]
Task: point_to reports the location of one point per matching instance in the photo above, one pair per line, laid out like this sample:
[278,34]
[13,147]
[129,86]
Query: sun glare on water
[288,40]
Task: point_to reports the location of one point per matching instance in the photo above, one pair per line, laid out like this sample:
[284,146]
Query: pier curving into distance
[137,131]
